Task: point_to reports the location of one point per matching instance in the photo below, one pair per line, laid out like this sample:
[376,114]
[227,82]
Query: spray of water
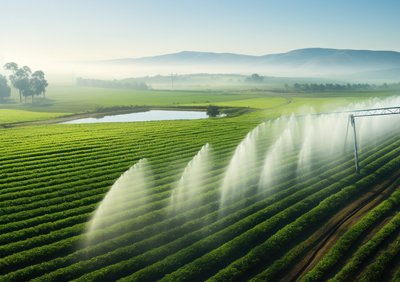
[274,161]
[373,129]
[241,171]
[191,184]
[323,136]
[130,189]
[308,138]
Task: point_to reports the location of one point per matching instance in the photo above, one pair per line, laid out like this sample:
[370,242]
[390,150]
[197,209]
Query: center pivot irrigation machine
[352,115]
[367,113]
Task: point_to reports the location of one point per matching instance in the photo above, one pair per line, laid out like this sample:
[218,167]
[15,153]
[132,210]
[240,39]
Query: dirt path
[326,236]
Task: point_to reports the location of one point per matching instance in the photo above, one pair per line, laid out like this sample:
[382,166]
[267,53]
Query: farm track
[326,236]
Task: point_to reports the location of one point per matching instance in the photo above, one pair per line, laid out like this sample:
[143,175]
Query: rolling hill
[300,62]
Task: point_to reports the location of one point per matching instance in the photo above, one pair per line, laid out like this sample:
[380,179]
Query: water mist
[129,190]
[191,184]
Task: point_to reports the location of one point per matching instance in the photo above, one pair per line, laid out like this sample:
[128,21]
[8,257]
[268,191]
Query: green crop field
[53,177]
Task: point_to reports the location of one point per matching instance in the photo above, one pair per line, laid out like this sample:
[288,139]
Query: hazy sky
[52,30]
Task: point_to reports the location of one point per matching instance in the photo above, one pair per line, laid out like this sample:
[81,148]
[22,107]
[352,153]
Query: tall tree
[38,83]
[5,90]
[27,83]
[23,81]
[19,78]
[13,67]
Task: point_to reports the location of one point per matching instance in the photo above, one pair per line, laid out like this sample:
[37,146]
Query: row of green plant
[271,213]
[379,268]
[370,247]
[65,191]
[108,165]
[146,220]
[290,233]
[151,153]
[73,194]
[346,241]
[236,206]
[46,141]
[282,264]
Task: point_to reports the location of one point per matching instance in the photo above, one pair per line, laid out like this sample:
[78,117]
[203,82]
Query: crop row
[79,196]
[33,241]
[379,268]
[286,235]
[367,250]
[203,246]
[342,246]
[108,166]
[73,195]
[280,265]
[271,207]
[64,193]
[167,148]
[121,152]
[99,148]
[148,132]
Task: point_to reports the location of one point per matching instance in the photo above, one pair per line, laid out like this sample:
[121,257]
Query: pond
[151,115]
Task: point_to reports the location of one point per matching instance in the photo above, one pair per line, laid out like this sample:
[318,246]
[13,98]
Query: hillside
[300,62]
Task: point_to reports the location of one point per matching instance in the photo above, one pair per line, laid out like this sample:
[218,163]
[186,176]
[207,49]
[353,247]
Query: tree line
[255,78]
[315,87]
[27,82]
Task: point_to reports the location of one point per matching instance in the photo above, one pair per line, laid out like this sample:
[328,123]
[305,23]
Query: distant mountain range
[300,62]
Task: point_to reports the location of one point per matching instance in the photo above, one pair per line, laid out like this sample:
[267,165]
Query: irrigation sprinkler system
[362,113]
[367,113]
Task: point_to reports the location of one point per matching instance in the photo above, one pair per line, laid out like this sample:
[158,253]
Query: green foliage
[212,111]
[367,250]
[27,83]
[379,267]
[350,237]
[291,232]
[314,87]
[5,90]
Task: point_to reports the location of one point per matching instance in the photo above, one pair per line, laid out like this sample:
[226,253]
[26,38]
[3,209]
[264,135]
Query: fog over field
[348,65]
